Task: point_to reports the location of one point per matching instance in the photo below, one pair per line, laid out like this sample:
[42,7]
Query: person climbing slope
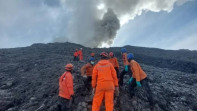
[104,82]
[80,54]
[139,79]
[86,72]
[66,88]
[114,62]
[76,55]
[126,66]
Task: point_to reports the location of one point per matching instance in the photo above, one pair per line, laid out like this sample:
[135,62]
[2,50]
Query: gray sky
[148,23]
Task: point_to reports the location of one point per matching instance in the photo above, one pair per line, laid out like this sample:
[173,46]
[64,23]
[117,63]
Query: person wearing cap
[104,82]
[139,79]
[66,88]
[86,72]
[114,62]
[126,69]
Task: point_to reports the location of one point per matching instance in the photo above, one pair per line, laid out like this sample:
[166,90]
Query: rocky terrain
[29,78]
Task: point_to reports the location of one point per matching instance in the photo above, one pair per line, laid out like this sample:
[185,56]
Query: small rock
[32,99]
[79,108]
[83,104]
[89,106]
[10,83]
[85,109]
[79,104]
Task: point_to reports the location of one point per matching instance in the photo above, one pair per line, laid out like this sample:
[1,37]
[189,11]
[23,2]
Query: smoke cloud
[129,9]
[91,23]
[96,22]
[106,28]
[86,25]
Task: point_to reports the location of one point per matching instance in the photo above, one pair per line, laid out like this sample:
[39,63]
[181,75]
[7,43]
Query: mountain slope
[29,78]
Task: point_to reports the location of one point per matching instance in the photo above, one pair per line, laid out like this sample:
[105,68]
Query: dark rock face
[29,79]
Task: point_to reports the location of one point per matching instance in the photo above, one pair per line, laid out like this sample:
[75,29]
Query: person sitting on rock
[66,88]
[139,78]
[76,55]
[104,82]
[126,70]
[86,72]
[114,62]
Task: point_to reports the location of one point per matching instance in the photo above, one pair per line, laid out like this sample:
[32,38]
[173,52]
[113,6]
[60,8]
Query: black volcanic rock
[29,78]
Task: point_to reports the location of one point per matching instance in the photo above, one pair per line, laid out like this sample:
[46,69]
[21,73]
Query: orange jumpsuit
[138,73]
[114,62]
[87,68]
[76,53]
[66,85]
[92,54]
[80,55]
[140,76]
[104,79]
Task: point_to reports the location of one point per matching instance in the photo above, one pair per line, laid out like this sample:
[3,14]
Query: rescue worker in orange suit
[86,72]
[80,54]
[114,62]
[139,79]
[104,82]
[76,55]
[66,88]
[126,66]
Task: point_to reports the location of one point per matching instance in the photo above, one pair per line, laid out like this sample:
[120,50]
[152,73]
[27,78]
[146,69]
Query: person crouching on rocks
[86,72]
[66,89]
[139,79]
[126,69]
[104,82]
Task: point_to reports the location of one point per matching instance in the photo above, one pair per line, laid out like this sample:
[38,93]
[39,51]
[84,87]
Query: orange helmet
[111,54]
[104,54]
[69,67]
[92,54]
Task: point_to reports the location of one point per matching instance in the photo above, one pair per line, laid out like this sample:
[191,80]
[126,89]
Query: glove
[117,91]
[130,80]
[138,84]
[126,68]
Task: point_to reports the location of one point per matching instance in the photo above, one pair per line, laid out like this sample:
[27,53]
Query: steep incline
[29,79]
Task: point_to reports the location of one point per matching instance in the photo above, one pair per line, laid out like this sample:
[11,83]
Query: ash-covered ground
[29,78]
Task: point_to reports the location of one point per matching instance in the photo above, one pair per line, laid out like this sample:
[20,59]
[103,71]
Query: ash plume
[106,29]
[86,25]
[92,27]
[91,23]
